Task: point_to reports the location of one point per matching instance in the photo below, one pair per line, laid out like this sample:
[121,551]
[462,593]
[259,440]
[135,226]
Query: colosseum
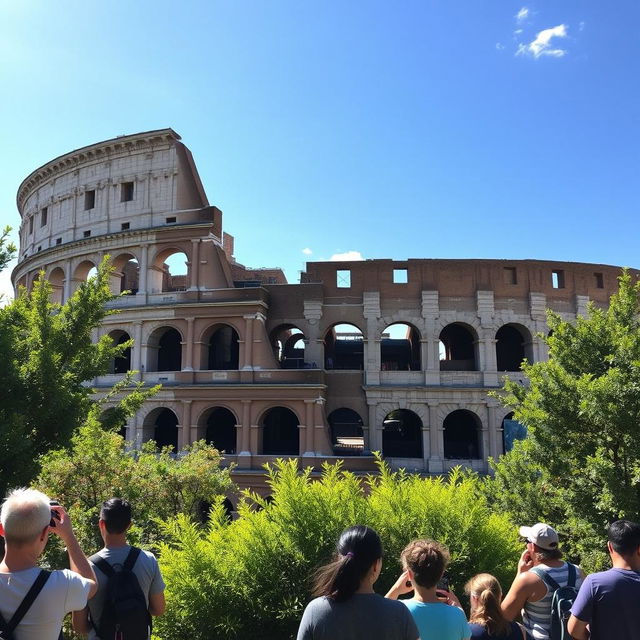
[378,355]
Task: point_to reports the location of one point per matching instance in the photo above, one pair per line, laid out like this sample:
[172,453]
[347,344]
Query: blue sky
[415,129]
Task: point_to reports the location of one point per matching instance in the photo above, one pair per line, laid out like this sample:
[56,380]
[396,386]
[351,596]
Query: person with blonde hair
[487,622]
[437,612]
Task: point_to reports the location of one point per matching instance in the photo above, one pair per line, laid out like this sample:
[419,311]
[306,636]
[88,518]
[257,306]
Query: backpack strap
[573,574]
[546,578]
[9,627]
[134,552]
[102,564]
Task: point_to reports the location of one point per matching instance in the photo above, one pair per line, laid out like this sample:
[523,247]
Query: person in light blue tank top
[529,593]
[437,613]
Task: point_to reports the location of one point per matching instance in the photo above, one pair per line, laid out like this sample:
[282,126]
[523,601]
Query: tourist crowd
[115,592]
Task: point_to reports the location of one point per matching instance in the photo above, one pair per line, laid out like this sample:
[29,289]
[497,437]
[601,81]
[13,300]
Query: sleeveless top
[536,616]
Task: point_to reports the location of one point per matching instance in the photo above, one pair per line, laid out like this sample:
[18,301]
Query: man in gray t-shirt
[115,520]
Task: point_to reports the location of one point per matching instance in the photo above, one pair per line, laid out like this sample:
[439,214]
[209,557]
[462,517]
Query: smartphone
[443,583]
[54,514]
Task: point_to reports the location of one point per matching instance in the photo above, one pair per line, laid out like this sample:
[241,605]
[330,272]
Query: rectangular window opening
[40,248]
[126,192]
[599,280]
[43,216]
[58,240]
[171,220]
[343,278]
[400,276]
[510,275]
[124,226]
[89,199]
[557,279]
[31,224]
[86,234]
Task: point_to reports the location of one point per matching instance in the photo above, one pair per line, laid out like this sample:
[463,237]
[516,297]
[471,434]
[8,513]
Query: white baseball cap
[542,535]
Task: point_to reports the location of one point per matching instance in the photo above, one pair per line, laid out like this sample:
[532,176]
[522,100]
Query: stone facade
[360,356]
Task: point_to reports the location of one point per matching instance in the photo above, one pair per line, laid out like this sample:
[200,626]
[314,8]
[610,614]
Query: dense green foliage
[47,354]
[252,575]
[579,467]
[100,465]
[7,248]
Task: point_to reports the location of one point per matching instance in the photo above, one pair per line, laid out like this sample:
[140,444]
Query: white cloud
[522,15]
[581,26]
[542,46]
[499,46]
[517,32]
[347,256]
[307,251]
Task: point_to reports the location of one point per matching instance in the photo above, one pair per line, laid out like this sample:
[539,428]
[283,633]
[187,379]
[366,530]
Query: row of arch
[401,434]
[219,349]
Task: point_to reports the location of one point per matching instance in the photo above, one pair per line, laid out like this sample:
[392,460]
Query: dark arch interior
[170,351]
[400,354]
[130,277]
[280,432]
[509,348]
[512,430]
[223,349]
[461,436]
[402,435]
[221,430]
[204,509]
[459,349]
[165,431]
[346,432]
[123,363]
[344,350]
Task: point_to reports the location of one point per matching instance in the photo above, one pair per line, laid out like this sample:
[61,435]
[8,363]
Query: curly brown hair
[427,560]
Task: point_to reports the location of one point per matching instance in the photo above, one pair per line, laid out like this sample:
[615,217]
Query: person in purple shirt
[607,605]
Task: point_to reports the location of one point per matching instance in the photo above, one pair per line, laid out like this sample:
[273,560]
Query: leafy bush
[250,578]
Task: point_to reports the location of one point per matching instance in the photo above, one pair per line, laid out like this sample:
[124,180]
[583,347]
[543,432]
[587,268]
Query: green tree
[579,467]
[47,356]
[7,249]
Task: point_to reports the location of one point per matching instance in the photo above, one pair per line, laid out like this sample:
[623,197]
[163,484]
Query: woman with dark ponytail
[486,620]
[345,606]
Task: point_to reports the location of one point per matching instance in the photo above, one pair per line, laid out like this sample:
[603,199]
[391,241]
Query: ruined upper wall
[463,278]
[139,181]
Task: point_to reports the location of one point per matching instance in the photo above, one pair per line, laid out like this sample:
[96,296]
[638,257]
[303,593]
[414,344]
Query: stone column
[306,447]
[143,269]
[314,342]
[136,351]
[67,281]
[188,364]
[194,265]
[494,451]
[375,430]
[246,355]
[436,442]
[184,427]
[245,429]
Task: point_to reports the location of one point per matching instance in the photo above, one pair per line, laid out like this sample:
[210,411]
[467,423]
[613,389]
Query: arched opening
[344,347]
[170,271]
[222,348]
[164,350]
[512,430]
[400,348]
[347,436]
[402,435]
[161,425]
[280,432]
[458,348]
[83,272]
[220,432]
[56,280]
[126,274]
[123,363]
[461,435]
[513,345]
[288,346]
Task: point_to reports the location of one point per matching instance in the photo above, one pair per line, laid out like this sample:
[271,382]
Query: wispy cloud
[347,256]
[499,46]
[307,251]
[522,15]
[542,45]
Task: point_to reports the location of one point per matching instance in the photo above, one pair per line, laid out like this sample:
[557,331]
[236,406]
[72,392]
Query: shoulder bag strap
[134,552]
[572,574]
[546,578]
[28,600]
[5,632]
[523,631]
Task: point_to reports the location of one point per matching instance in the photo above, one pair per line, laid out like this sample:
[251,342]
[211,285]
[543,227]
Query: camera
[54,514]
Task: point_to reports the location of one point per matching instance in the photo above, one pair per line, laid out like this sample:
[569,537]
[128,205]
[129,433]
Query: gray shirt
[145,569]
[364,615]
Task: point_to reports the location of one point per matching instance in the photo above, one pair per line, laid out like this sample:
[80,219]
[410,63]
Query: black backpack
[7,628]
[125,615]
[561,601]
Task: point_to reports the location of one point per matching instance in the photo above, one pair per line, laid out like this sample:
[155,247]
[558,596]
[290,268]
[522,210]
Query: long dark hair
[357,549]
